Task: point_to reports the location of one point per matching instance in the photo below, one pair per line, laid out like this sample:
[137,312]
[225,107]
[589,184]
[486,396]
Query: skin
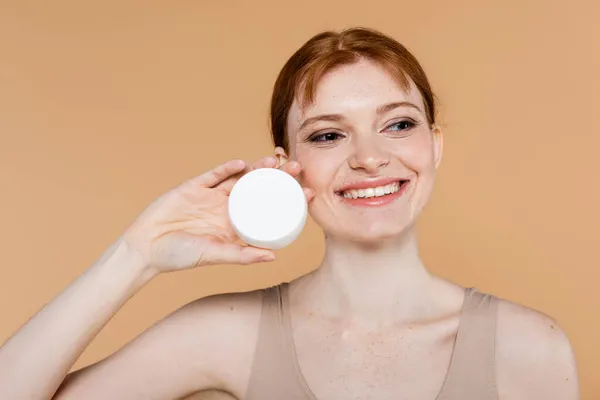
[370,322]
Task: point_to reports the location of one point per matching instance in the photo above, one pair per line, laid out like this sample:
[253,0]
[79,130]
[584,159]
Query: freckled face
[367,150]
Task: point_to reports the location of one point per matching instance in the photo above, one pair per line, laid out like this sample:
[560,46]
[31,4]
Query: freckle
[231,308]
[551,326]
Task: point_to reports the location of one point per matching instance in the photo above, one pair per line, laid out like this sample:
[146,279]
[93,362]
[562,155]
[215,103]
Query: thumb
[232,253]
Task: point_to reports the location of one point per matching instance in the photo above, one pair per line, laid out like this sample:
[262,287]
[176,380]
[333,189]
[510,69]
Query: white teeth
[372,192]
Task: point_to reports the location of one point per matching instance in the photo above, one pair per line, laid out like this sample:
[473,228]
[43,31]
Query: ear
[438,144]
[281,156]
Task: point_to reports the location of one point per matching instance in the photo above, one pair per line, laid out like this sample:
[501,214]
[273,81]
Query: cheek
[417,154]
[319,168]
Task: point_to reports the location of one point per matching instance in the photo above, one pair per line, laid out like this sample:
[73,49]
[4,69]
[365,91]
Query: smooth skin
[370,323]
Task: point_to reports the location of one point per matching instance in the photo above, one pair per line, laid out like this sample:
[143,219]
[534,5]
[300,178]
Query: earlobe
[281,156]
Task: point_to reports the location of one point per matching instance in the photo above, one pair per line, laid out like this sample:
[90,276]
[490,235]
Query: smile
[376,193]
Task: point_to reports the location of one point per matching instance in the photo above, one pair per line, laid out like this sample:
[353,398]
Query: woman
[353,119]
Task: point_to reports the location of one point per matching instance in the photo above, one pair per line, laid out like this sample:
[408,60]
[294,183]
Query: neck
[382,281]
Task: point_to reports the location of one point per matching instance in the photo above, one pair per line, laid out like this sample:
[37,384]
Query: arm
[207,344]
[35,360]
[535,359]
[185,228]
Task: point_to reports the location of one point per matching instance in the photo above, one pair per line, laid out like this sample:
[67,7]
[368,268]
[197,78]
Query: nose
[368,156]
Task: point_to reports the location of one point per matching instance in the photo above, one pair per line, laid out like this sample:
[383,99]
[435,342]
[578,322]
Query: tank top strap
[273,374]
[472,372]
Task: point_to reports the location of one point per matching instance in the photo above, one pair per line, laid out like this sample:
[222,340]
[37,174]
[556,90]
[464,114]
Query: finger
[250,255]
[265,162]
[231,253]
[309,193]
[292,167]
[220,173]
[227,185]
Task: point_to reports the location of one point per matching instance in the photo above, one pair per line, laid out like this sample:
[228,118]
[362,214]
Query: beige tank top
[471,376]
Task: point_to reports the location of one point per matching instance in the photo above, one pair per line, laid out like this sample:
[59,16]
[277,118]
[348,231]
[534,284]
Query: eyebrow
[338,117]
[391,106]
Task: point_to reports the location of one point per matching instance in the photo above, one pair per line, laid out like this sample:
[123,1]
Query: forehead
[362,86]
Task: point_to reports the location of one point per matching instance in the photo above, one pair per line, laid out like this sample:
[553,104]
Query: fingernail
[266,258]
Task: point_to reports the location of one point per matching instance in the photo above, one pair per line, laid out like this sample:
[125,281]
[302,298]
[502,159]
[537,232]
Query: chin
[374,233]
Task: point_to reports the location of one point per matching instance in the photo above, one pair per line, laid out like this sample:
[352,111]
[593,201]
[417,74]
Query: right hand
[189,225]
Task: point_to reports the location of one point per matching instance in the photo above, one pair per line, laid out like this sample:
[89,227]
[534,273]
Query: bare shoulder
[242,308]
[534,356]
[207,344]
[229,319]
[217,336]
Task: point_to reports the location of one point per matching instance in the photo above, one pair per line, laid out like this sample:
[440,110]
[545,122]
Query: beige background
[105,105]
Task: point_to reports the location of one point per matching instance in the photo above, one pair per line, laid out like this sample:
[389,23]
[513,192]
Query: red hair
[327,50]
